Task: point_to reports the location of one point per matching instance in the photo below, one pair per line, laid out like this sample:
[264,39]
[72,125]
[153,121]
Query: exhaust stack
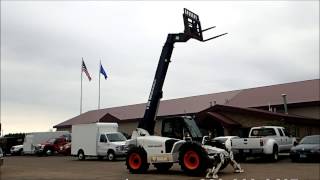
[284,96]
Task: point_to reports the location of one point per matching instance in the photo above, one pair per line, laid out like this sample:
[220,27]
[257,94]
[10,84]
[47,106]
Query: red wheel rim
[191,160]
[135,161]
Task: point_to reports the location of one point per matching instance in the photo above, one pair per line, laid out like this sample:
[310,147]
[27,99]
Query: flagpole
[99,85]
[81,89]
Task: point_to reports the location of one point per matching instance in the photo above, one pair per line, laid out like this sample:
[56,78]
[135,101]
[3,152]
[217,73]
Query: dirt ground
[32,167]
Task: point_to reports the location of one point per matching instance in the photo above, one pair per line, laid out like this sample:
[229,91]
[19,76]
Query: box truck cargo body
[98,140]
[32,140]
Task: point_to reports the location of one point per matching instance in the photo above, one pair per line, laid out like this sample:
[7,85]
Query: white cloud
[42,44]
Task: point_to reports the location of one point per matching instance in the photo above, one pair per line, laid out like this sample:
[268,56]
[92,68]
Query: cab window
[103,138]
[261,132]
[280,132]
[173,129]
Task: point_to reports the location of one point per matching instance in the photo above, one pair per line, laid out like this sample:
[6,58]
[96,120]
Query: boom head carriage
[192,28]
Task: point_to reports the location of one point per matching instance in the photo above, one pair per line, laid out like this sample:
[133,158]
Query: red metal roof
[225,121]
[297,92]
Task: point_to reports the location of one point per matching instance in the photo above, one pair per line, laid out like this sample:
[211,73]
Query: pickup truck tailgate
[246,143]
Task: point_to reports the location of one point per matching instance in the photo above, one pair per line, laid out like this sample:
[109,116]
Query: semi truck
[97,140]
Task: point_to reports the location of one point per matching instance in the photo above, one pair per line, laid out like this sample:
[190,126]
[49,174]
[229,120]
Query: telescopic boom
[192,29]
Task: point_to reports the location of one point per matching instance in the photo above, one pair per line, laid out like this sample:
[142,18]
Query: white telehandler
[181,141]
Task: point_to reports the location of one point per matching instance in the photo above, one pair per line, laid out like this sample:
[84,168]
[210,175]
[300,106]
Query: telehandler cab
[181,141]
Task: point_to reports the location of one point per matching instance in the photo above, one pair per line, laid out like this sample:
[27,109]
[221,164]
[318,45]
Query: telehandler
[181,141]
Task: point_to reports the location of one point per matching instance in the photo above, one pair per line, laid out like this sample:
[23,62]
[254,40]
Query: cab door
[282,140]
[102,145]
[288,141]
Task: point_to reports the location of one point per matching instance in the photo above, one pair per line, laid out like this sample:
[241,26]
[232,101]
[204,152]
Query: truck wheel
[110,156]
[48,152]
[44,152]
[162,167]
[81,155]
[20,153]
[193,159]
[275,154]
[136,160]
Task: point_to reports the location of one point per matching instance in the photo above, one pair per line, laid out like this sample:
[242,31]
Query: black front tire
[162,167]
[111,156]
[48,152]
[136,160]
[21,153]
[193,159]
[44,152]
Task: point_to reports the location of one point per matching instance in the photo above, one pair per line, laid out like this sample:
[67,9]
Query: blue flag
[103,72]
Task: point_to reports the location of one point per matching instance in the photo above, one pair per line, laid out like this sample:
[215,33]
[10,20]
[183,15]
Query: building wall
[248,121]
[309,111]
[128,127]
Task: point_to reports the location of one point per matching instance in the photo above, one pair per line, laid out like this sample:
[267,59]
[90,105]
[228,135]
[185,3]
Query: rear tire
[81,155]
[136,160]
[193,159]
[162,167]
[275,154]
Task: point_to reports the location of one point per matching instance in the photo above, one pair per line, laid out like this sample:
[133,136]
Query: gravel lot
[32,167]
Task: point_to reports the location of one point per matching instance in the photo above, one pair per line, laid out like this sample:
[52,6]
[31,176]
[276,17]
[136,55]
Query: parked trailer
[32,140]
[97,140]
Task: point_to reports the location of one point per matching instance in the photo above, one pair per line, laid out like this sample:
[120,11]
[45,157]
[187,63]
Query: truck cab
[111,145]
[181,127]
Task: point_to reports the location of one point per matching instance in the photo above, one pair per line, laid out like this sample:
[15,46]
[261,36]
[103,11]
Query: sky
[42,43]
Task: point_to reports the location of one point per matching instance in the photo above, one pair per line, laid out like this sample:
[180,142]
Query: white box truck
[32,140]
[97,140]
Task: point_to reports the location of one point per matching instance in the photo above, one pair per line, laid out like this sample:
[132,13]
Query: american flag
[84,69]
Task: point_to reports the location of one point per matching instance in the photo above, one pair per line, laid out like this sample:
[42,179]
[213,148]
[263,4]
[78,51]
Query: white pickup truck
[264,140]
